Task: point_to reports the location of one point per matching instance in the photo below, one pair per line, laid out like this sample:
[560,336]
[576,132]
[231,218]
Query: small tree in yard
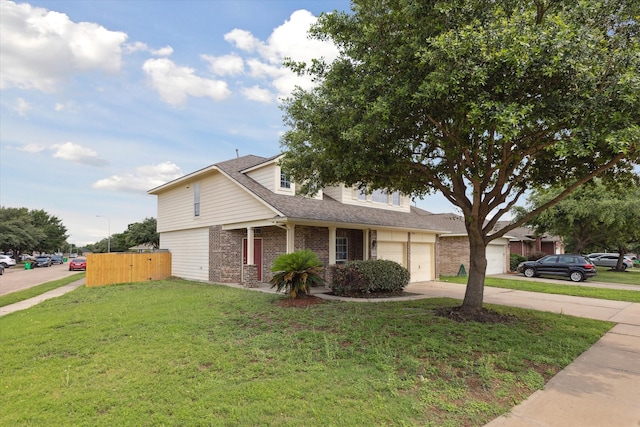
[296,272]
[479,100]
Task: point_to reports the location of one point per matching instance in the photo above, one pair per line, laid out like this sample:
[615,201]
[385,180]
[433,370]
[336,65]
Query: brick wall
[274,244]
[225,260]
[451,252]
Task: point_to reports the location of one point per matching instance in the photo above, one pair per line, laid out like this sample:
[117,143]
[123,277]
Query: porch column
[365,244]
[250,260]
[291,238]
[332,245]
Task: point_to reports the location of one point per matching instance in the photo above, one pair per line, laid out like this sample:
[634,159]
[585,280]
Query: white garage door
[496,259]
[189,253]
[421,264]
[394,251]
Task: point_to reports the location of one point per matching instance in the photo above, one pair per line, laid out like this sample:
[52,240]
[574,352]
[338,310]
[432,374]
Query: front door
[257,255]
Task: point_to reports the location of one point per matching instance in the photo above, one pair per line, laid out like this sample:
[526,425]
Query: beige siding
[349,196]
[265,176]
[189,253]
[221,202]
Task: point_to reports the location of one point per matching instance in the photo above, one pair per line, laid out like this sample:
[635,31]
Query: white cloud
[256,93]
[77,153]
[175,83]
[225,65]
[32,148]
[143,178]
[22,106]
[143,47]
[289,40]
[243,40]
[39,49]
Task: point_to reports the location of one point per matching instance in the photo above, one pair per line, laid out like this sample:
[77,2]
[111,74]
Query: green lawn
[181,353]
[37,290]
[559,287]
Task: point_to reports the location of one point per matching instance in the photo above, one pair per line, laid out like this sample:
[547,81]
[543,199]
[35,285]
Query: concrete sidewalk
[21,305]
[601,388]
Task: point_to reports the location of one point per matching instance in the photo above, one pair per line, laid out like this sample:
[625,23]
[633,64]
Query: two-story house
[227,223]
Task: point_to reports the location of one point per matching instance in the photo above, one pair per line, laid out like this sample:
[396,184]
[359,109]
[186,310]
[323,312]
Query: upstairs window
[285,182]
[380,196]
[196,199]
[395,198]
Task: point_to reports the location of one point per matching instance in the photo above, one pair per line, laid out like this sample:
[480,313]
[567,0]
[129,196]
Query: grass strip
[37,290]
[554,288]
[175,352]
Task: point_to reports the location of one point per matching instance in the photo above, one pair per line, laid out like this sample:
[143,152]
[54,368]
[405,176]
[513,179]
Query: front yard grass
[183,353]
[558,287]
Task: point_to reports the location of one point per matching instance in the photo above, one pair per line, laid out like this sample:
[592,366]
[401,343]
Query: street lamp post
[109,231]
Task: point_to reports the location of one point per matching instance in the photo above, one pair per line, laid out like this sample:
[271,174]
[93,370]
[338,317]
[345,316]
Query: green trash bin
[27,266]
[64,259]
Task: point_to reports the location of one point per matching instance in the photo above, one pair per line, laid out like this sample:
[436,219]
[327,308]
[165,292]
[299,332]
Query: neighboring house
[228,222]
[525,242]
[144,247]
[453,248]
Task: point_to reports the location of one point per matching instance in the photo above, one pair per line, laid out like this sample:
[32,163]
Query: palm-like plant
[296,272]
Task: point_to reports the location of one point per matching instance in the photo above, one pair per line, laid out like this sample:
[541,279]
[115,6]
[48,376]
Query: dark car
[57,259]
[575,267]
[1,269]
[42,261]
[78,264]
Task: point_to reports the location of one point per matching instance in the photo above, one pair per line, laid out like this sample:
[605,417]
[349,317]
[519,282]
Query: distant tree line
[139,233]
[27,231]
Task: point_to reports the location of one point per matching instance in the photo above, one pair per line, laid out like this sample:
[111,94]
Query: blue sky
[103,100]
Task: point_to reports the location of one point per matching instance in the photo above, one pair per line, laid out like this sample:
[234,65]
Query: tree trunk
[474,294]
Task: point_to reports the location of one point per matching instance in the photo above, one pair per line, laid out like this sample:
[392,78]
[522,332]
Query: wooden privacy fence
[107,269]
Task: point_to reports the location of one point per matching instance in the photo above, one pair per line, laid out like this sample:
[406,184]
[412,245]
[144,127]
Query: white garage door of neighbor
[421,268]
[496,259]
[394,251]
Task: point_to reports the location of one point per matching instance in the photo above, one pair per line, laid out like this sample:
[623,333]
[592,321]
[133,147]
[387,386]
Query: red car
[78,264]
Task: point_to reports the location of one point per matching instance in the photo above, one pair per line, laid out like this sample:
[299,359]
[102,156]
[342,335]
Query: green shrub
[514,260]
[297,272]
[371,276]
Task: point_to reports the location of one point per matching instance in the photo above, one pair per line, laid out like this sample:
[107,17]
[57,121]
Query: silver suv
[611,260]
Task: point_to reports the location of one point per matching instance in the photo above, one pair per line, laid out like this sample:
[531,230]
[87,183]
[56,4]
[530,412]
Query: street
[17,278]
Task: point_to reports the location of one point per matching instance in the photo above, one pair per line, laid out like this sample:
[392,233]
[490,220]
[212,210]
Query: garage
[497,257]
[394,251]
[421,262]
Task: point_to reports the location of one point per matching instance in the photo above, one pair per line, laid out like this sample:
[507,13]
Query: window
[341,249]
[395,198]
[380,196]
[284,181]
[196,199]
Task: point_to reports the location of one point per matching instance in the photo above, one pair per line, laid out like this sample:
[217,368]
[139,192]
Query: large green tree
[144,232]
[597,216]
[23,230]
[479,100]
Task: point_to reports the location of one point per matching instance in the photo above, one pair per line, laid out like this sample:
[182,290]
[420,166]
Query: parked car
[26,257]
[1,270]
[78,264]
[7,261]
[575,267]
[57,259]
[42,261]
[611,260]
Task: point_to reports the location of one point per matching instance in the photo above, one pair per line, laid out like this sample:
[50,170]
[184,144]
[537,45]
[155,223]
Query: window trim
[342,242]
[196,199]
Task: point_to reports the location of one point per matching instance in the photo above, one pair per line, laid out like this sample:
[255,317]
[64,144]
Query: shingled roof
[328,209]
